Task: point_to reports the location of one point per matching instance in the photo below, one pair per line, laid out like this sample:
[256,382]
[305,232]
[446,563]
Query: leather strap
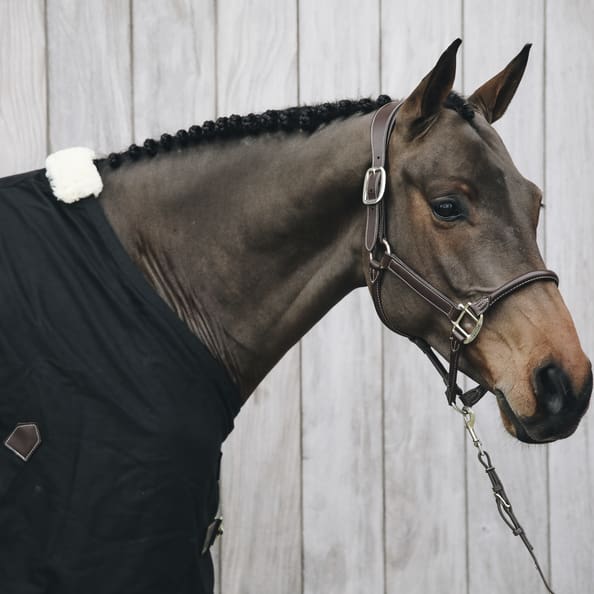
[505,509]
[442,302]
[504,290]
[375,178]
[418,284]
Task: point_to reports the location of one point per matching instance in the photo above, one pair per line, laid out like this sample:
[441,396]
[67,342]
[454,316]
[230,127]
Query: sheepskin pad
[72,174]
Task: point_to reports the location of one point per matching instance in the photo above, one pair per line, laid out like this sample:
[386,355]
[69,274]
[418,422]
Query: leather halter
[466,319]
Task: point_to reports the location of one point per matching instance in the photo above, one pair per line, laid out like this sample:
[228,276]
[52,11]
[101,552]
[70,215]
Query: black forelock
[459,104]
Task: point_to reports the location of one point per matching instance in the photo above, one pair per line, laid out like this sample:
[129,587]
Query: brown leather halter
[466,319]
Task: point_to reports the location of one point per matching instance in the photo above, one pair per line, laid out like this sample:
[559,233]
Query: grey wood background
[346,472]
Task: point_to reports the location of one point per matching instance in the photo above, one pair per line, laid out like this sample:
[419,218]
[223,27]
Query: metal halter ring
[376,263]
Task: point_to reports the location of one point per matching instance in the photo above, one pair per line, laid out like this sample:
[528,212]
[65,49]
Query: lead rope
[504,506]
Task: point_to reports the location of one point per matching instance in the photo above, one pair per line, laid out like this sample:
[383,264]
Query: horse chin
[512,423]
[534,430]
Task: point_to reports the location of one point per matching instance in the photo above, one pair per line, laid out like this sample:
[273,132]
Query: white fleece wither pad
[72,174]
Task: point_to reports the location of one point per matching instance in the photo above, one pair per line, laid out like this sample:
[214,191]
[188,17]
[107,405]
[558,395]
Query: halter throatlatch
[466,319]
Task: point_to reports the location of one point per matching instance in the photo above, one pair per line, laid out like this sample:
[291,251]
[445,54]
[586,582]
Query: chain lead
[502,501]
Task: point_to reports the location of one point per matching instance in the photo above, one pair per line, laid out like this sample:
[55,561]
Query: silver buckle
[372,171]
[461,333]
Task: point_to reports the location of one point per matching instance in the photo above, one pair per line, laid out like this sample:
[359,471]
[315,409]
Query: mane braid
[307,118]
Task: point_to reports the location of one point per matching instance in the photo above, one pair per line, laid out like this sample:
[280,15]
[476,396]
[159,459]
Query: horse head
[460,213]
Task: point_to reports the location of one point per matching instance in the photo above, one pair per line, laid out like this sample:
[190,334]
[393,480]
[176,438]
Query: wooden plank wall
[569,125]
[345,473]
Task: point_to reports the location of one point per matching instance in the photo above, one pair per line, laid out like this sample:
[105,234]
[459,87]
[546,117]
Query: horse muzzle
[559,407]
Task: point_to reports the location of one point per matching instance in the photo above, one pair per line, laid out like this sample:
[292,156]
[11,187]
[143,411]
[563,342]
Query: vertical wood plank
[424,448]
[174,65]
[570,250]
[341,356]
[89,74]
[174,82]
[23,94]
[496,557]
[261,549]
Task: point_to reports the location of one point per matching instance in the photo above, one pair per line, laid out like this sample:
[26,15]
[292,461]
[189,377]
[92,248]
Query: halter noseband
[466,319]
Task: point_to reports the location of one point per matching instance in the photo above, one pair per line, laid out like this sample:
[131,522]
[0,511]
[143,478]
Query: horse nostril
[553,388]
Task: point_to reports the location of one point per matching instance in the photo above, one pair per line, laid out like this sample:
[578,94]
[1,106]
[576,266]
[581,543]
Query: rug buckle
[214,530]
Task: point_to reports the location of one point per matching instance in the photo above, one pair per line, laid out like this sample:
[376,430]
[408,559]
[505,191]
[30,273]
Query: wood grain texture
[174,82]
[256,55]
[261,549]
[341,356]
[174,65]
[570,251]
[23,109]
[496,557]
[424,447]
[89,74]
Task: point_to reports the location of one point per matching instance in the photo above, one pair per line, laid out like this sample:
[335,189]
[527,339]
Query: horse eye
[447,208]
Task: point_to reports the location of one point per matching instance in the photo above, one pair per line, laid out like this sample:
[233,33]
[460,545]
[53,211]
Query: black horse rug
[112,412]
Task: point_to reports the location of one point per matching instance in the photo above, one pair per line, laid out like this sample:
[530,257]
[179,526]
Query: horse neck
[250,241]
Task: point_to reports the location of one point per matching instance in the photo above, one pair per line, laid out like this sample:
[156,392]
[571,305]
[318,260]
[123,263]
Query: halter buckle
[372,172]
[459,331]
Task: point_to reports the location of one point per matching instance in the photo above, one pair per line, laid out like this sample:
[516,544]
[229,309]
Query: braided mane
[304,118]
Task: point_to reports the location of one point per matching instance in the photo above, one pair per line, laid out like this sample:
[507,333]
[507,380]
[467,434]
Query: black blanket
[129,407]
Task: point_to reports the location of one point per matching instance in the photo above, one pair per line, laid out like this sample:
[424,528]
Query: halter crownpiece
[466,319]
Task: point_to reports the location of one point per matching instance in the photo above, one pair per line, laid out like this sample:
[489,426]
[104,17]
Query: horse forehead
[476,141]
[456,148]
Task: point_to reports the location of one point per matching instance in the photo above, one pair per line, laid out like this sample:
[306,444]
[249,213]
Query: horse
[228,242]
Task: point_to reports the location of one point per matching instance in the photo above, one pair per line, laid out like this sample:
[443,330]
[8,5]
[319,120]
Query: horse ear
[424,103]
[496,94]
